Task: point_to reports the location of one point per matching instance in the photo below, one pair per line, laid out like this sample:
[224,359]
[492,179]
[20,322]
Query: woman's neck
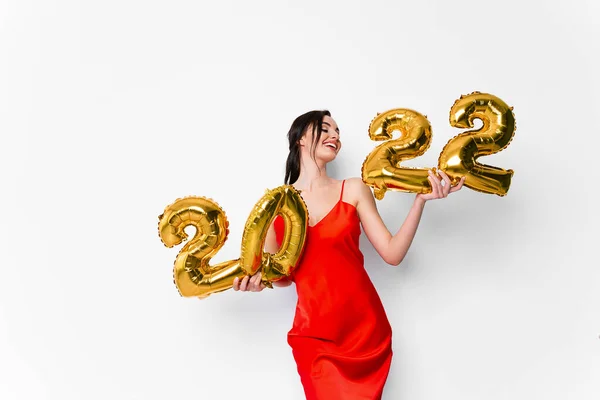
[312,176]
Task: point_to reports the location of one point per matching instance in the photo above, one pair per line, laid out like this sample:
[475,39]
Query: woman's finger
[236,284]
[244,285]
[433,188]
[434,185]
[256,282]
[252,281]
[438,182]
[447,183]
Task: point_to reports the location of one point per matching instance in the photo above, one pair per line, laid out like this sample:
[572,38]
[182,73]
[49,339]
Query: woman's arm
[393,248]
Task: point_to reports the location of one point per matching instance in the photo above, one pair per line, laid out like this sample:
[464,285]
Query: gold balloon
[193,275]
[459,156]
[287,202]
[381,169]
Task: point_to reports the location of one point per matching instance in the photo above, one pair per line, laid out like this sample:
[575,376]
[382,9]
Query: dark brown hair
[299,127]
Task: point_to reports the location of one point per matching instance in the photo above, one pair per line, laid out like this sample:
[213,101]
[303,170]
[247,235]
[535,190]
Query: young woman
[341,338]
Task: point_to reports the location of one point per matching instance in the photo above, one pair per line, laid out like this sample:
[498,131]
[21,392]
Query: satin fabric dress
[341,338]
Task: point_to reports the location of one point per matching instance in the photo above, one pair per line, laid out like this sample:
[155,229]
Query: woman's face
[329,144]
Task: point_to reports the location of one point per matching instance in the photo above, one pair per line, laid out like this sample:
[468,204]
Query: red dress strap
[342,191]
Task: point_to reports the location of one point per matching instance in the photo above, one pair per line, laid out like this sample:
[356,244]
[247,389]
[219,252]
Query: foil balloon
[459,156]
[381,169]
[192,273]
[287,202]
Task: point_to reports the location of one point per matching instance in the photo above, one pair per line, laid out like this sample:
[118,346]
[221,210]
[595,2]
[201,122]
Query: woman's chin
[327,159]
[327,156]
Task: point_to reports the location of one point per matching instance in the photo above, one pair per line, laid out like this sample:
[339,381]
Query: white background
[110,110]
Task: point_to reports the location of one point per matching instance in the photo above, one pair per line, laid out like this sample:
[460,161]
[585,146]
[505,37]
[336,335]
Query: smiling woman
[341,338]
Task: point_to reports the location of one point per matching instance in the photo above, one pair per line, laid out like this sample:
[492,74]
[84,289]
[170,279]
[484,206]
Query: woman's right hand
[249,283]
[253,283]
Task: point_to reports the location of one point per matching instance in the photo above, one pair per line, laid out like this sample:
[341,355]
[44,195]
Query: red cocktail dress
[341,338]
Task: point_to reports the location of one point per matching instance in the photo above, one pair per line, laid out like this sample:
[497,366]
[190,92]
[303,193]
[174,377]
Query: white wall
[111,110]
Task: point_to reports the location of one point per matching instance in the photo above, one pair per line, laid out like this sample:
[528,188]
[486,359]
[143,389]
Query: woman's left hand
[439,191]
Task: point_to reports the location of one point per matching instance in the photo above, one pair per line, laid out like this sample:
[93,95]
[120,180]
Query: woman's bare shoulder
[355,190]
[355,184]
